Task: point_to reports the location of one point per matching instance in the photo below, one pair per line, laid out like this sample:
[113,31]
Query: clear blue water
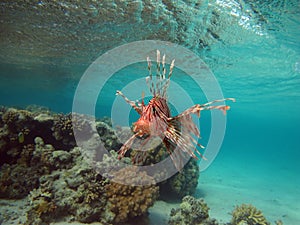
[260,67]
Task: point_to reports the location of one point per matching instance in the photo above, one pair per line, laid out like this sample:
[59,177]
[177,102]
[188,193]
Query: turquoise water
[255,60]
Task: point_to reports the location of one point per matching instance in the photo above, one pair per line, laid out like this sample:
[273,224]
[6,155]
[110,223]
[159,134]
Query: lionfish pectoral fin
[199,153]
[195,109]
[131,103]
[141,155]
[185,133]
[139,158]
[223,108]
[126,146]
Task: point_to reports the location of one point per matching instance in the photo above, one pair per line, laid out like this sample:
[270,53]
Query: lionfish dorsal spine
[167,81]
[149,79]
[158,62]
[158,76]
[161,83]
[164,67]
[171,68]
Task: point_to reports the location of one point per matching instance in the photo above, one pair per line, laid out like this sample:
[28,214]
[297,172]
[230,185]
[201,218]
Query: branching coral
[248,215]
[62,127]
[64,124]
[130,201]
[10,116]
[26,154]
[17,119]
[108,163]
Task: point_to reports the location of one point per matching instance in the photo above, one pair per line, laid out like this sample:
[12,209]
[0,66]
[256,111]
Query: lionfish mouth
[143,136]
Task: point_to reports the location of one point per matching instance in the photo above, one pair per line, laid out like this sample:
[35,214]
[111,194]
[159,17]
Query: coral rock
[184,183]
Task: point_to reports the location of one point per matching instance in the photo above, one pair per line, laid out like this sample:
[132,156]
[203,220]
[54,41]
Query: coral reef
[14,132]
[18,130]
[41,163]
[77,192]
[20,127]
[248,215]
[37,159]
[84,195]
[191,212]
[61,183]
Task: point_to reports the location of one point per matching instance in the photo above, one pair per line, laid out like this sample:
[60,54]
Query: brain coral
[130,201]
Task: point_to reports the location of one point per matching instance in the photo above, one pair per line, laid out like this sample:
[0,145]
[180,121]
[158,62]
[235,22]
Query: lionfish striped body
[155,118]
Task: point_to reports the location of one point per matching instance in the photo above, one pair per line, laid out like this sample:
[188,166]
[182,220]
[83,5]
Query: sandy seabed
[271,186]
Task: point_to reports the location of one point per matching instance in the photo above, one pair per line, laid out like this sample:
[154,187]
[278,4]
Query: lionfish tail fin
[161,83]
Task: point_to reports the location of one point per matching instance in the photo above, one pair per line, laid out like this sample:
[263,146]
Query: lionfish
[156,120]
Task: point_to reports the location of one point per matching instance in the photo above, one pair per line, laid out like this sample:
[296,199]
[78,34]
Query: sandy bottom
[271,186]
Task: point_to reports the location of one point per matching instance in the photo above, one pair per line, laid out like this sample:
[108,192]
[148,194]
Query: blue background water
[259,158]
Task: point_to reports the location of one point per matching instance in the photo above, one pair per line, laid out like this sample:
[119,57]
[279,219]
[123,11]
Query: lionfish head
[142,127]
